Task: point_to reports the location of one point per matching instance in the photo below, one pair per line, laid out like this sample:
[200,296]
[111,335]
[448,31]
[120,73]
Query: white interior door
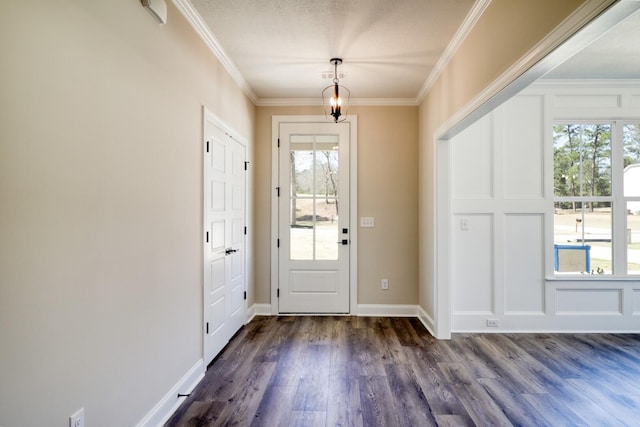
[224,239]
[313,219]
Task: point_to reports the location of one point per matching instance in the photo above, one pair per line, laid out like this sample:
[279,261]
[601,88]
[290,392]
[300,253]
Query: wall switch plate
[464,224]
[493,323]
[367,221]
[384,284]
[77,419]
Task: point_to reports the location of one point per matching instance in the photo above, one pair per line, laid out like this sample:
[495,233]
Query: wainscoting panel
[587,101]
[522,137]
[635,302]
[473,263]
[472,174]
[588,301]
[523,264]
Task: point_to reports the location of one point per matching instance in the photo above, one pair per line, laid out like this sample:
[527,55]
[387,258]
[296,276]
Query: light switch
[366,221]
[464,224]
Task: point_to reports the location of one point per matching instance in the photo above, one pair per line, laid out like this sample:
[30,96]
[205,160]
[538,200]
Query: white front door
[224,239]
[313,219]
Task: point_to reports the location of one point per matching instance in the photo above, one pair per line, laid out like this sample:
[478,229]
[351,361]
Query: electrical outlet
[493,323]
[385,283]
[77,419]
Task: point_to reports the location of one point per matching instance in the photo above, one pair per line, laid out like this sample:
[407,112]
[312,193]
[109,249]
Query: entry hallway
[360,371]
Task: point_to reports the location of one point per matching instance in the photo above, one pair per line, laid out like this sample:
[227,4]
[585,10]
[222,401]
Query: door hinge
[278,243]
[245,294]
[207,328]
[207,237]
[278,142]
[245,165]
[278,293]
[207,146]
[245,230]
[278,191]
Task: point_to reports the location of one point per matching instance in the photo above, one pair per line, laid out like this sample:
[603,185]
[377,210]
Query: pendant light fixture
[335,98]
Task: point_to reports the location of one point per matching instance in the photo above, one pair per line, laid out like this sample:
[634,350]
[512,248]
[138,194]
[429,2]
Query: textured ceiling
[614,55]
[391,49]
[281,47]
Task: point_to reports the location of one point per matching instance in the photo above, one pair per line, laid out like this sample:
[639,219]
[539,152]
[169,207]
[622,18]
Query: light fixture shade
[335,98]
[335,101]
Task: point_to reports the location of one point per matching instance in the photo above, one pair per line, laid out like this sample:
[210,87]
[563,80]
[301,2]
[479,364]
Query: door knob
[230,251]
[343,242]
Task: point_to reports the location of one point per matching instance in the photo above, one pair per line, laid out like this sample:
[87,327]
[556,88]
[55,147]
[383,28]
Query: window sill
[592,278]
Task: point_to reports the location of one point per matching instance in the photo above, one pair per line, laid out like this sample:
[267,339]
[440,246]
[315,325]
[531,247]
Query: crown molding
[193,17]
[556,46]
[469,22]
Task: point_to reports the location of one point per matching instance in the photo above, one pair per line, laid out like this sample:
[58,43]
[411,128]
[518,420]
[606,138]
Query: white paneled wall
[501,194]
[472,176]
[523,265]
[520,123]
[473,264]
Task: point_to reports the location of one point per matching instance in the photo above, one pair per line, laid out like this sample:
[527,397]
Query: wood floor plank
[313,385]
[617,402]
[529,367]
[467,351]
[391,349]
[437,390]
[366,355]
[513,404]
[375,396]
[553,411]
[453,421]
[250,392]
[199,414]
[340,346]
[405,332]
[504,362]
[481,408]
[290,366]
[541,347]
[344,407]
[356,371]
[307,419]
[409,400]
[275,407]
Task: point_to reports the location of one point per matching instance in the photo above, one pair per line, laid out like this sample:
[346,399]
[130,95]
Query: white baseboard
[427,321]
[387,310]
[258,310]
[170,402]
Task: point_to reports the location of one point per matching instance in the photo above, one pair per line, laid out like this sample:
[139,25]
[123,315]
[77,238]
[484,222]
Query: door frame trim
[210,118]
[353,202]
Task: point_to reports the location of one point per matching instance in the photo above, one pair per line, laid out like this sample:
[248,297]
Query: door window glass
[313,195]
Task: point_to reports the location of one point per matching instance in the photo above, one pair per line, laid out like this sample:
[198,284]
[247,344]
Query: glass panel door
[313,218]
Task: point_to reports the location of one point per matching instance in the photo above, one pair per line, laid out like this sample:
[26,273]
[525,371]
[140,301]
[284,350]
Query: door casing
[353,197]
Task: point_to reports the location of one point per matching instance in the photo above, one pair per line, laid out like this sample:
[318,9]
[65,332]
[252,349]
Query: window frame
[617,199]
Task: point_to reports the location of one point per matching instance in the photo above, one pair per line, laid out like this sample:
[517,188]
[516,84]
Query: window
[631,194]
[314,171]
[596,221]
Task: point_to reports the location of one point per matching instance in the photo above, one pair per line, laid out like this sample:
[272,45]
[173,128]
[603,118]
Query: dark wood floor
[359,371]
